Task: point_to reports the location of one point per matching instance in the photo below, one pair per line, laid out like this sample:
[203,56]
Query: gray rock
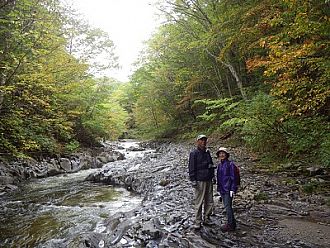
[6,180]
[65,164]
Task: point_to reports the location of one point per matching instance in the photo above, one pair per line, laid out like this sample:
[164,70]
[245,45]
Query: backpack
[237,173]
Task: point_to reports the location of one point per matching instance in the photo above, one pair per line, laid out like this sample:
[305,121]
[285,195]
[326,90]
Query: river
[55,208]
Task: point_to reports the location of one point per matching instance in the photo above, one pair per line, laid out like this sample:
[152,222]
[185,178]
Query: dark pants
[228,204]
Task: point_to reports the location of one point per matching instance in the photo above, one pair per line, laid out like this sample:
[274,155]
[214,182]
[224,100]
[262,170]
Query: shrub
[308,136]
[324,152]
[262,129]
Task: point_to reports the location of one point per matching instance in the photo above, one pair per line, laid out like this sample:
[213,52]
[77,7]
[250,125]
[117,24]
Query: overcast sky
[128,22]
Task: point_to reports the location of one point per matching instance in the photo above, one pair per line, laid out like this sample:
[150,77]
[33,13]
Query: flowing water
[58,207]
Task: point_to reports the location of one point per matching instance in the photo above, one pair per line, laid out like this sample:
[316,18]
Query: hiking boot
[227,228]
[208,222]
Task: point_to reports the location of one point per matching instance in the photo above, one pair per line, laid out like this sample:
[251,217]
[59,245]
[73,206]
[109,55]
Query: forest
[255,69]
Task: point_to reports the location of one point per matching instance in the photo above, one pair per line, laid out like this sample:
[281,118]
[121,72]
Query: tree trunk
[233,73]
[228,86]
[237,79]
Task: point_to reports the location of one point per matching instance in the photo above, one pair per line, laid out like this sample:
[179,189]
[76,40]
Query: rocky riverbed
[13,173]
[270,208]
[270,211]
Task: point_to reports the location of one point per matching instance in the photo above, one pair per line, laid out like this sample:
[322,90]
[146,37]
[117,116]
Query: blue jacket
[200,165]
[226,177]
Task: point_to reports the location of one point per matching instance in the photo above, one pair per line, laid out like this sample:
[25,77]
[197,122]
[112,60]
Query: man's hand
[231,194]
[194,184]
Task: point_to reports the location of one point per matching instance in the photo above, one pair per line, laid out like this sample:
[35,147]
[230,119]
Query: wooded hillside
[258,69]
[49,101]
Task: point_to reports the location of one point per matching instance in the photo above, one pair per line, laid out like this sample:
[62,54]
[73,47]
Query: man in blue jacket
[201,174]
[227,186]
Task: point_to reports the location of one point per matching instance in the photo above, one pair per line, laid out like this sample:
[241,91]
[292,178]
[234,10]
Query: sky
[128,22]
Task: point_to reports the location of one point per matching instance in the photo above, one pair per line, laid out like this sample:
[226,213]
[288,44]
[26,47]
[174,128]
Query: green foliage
[47,98]
[324,151]
[305,135]
[30,44]
[296,38]
[210,53]
[262,196]
[89,45]
[309,188]
[257,68]
[267,131]
[263,130]
[290,181]
[98,115]
[221,113]
[72,146]
[313,186]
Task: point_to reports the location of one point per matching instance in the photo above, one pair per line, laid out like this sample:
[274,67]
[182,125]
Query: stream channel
[58,207]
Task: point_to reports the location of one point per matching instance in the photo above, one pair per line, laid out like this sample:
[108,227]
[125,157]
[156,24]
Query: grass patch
[262,196]
[315,186]
[290,181]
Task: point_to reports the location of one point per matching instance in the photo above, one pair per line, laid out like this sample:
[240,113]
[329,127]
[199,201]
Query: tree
[296,64]
[202,20]
[89,45]
[31,42]
[46,95]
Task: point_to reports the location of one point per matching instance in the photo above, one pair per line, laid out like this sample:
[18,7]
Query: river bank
[14,172]
[270,212]
[47,209]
